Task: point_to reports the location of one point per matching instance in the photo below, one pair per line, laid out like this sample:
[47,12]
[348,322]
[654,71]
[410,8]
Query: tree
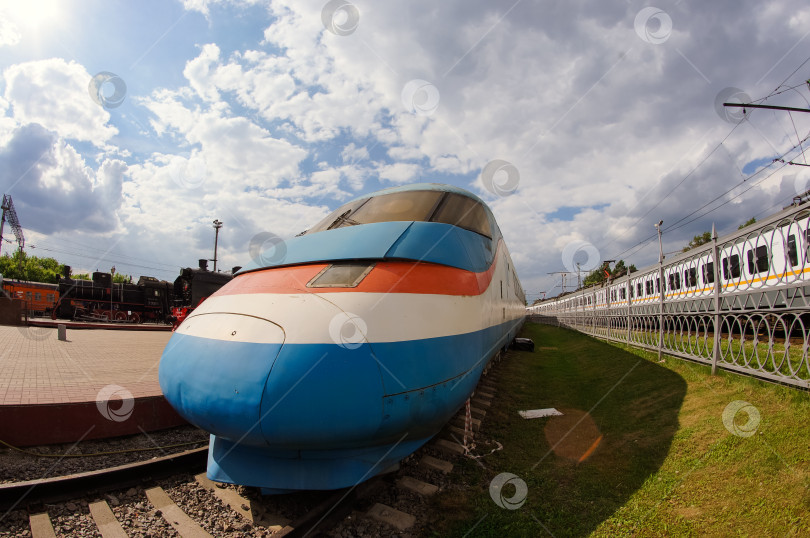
[20,266]
[598,275]
[698,240]
[749,222]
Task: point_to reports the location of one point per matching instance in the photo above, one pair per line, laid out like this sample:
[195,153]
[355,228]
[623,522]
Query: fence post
[716,271]
[661,286]
[628,288]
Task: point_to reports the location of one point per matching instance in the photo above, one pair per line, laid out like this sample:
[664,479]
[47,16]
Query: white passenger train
[770,255]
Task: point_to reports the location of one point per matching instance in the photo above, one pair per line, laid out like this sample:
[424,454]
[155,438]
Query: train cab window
[463,212]
[758,261]
[792,251]
[731,267]
[708,273]
[397,206]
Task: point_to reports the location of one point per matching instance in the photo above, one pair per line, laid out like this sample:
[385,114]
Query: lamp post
[217,226]
[660,244]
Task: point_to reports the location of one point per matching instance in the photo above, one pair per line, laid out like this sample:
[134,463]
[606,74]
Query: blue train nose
[250,381]
[214,369]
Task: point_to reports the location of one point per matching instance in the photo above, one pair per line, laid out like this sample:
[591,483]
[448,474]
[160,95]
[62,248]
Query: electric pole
[562,274]
[217,226]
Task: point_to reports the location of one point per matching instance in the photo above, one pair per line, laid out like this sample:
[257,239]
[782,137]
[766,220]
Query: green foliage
[20,266]
[698,240]
[117,277]
[749,222]
[597,276]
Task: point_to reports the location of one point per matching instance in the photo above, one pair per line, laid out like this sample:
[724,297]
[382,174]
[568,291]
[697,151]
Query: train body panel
[381,344]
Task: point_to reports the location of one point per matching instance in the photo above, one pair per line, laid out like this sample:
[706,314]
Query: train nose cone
[214,369]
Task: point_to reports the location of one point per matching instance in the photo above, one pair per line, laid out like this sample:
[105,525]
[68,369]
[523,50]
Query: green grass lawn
[641,450]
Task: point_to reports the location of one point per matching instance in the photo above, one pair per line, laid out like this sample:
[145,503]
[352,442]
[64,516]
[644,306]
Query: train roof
[441,187]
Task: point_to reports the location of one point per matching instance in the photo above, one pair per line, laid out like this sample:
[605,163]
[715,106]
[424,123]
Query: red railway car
[40,298]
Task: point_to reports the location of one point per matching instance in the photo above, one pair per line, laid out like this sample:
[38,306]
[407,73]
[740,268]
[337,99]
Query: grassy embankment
[641,450]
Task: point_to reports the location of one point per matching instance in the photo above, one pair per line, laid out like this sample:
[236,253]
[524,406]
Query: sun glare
[31,14]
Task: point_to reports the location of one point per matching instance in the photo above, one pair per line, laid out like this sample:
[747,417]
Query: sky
[127,128]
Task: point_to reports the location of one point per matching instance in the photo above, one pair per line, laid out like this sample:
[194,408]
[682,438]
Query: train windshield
[436,206]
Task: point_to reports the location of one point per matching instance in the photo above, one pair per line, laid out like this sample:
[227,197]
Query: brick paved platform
[99,383]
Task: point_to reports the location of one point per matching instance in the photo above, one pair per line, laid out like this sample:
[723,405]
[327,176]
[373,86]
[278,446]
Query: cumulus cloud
[53,188]
[54,94]
[9,35]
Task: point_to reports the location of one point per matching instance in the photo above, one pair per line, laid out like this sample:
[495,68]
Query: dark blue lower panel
[253,466]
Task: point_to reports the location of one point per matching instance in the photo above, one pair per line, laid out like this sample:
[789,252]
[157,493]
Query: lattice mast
[10,214]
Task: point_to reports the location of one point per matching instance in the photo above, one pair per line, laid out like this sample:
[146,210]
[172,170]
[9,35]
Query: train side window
[690,277]
[37,296]
[675,281]
[639,289]
[622,294]
[758,260]
[792,251]
[731,267]
[658,285]
[50,297]
[708,273]
[28,295]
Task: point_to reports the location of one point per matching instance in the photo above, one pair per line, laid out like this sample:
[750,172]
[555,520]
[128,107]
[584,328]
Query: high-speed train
[339,352]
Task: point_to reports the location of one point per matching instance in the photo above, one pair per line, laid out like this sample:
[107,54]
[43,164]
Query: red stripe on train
[386,277]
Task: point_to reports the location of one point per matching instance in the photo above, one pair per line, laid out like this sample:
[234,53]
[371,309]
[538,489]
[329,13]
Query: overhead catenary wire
[776,91]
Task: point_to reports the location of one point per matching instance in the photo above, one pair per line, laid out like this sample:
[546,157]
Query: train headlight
[341,275]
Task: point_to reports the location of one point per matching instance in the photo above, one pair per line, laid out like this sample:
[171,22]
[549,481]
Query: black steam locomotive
[151,300]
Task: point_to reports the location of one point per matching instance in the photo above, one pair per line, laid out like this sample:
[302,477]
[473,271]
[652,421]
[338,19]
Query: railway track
[171,496]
